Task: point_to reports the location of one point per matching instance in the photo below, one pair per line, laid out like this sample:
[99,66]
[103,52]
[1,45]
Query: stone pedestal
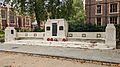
[110,36]
[10,34]
[56,29]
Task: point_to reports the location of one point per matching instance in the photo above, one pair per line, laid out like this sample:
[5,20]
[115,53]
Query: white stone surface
[110,35]
[31,34]
[9,35]
[89,35]
[60,33]
[60,44]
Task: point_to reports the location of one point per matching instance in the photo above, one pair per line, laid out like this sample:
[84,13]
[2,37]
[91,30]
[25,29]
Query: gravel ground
[99,55]
[22,60]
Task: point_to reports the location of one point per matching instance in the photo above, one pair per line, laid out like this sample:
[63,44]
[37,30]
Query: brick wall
[12,19]
[90,10]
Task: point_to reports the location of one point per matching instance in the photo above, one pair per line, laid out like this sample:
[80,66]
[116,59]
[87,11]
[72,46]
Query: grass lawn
[2,34]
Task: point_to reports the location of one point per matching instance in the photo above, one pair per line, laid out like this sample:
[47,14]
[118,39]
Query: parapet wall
[74,35]
[87,35]
[30,34]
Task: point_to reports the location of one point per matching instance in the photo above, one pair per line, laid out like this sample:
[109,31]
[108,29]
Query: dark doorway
[54,29]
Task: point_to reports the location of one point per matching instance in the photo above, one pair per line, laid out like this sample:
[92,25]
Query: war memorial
[57,42]
[56,46]
[56,34]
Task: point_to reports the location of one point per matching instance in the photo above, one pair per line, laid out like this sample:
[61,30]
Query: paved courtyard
[100,55]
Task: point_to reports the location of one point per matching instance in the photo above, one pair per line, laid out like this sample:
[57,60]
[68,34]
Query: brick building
[11,18]
[102,12]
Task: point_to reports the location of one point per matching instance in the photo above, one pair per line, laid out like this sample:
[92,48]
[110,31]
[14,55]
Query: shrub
[2,32]
[76,26]
[2,40]
[38,30]
[21,30]
[118,31]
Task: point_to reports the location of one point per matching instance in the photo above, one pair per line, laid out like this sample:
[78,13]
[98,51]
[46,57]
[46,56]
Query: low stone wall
[71,35]
[30,35]
[87,35]
[109,36]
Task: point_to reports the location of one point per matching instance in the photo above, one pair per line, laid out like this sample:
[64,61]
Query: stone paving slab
[71,44]
[98,55]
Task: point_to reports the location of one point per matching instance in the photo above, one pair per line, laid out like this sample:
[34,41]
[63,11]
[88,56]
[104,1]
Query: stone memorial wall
[61,32]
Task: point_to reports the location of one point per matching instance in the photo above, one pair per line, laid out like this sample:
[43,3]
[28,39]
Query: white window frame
[101,9]
[117,8]
[117,19]
[96,20]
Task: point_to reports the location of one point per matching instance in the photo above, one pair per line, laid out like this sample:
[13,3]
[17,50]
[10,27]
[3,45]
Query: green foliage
[118,32]
[78,10]
[2,40]
[117,27]
[55,9]
[40,12]
[22,30]
[39,30]
[76,26]
[2,34]
[17,29]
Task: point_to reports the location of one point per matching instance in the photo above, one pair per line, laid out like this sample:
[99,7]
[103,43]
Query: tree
[40,12]
[78,10]
[19,5]
[59,8]
[55,9]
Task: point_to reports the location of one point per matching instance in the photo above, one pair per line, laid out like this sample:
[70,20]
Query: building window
[11,15]
[24,22]
[61,28]
[113,19]
[27,21]
[113,7]
[98,20]
[48,28]
[98,9]
[3,13]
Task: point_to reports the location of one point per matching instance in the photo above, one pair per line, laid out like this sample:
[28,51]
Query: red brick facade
[10,18]
[104,11]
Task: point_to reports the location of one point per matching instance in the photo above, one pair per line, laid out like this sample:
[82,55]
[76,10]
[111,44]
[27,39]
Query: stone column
[10,34]
[22,27]
[16,19]
[110,35]
[29,24]
[0,19]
